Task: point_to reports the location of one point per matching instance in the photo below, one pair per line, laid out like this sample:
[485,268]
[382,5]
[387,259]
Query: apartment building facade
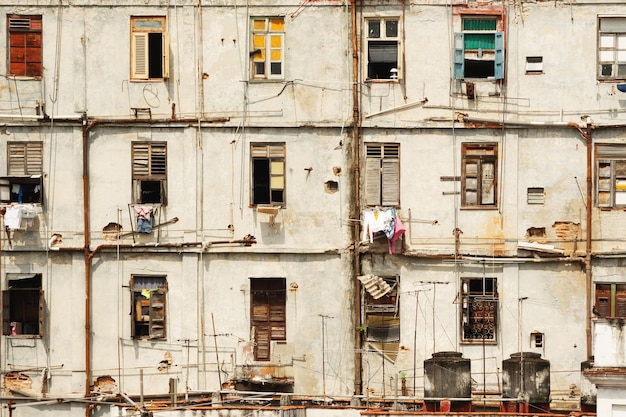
[310,198]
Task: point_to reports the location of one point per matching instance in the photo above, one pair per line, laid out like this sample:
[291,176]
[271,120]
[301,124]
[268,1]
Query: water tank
[588,391]
[447,375]
[527,377]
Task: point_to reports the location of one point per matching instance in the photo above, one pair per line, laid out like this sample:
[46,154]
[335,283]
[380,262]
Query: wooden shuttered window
[268,318]
[25,45]
[382,319]
[149,48]
[610,300]
[479,175]
[382,175]
[149,167]
[25,158]
[268,174]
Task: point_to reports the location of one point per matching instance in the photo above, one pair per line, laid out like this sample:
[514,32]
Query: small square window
[535,195]
[534,65]
[537,340]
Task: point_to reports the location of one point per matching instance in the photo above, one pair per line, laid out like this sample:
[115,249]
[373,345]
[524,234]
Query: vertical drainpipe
[588,277]
[87,253]
[356,164]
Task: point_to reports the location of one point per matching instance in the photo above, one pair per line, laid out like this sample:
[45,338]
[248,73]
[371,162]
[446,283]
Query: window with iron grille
[24,183]
[267,314]
[25,45]
[382,174]
[148,307]
[479,175]
[149,172]
[479,308]
[149,53]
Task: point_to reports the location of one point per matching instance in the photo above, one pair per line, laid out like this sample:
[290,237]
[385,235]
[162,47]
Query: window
[25,168]
[479,169]
[268,174]
[610,300]
[535,195]
[479,307]
[22,305]
[149,172]
[381,315]
[612,48]
[383,49]
[479,49]
[382,174]
[148,307]
[534,65]
[149,52]
[25,46]
[268,48]
[536,340]
[611,175]
[267,314]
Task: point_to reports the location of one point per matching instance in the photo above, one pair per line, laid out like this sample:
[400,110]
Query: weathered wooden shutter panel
[17,159]
[390,182]
[6,312]
[262,342]
[25,158]
[166,55]
[41,313]
[158,160]
[139,59]
[141,160]
[499,56]
[459,55]
[157,314]
[373,184]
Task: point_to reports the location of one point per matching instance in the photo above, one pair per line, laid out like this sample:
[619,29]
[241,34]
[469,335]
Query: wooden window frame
[267,52]
[149,314]
[268,169]
[24,182]
[475,180]
[268,317]
[382,174]
[149,172]
[479,310]
[378,42]
[25,45]
[610,175]
[24,293]
[611,62]
[463,54]
[149,51]
[610,300]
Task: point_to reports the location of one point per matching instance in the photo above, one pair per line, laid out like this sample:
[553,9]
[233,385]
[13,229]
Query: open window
[382,174]
[479,175]
[383,48]
[612,48]
[268,174]
[267,54]
[382,319]
[24,183]
[148,307]
[22,305]
[149,52]
[25,45]
[479,308]
[479,48]
[149,172]
[267,314]
[611,175]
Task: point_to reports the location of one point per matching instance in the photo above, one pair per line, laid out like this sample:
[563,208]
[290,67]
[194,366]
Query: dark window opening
[479,69]
[150,192]
[261,172]
[22,306]
[155,55]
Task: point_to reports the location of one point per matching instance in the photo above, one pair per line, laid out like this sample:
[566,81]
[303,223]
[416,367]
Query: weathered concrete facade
[501,155]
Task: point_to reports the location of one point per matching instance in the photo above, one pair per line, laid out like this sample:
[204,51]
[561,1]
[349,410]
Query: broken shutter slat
[499,56]
[459,55]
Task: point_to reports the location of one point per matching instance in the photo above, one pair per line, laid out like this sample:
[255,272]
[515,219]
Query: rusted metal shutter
[25,158]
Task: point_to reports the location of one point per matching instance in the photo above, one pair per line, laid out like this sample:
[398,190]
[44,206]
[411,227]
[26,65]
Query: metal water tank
[527,377]
[447,375]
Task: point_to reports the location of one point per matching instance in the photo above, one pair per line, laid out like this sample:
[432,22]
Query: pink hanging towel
[398,229]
